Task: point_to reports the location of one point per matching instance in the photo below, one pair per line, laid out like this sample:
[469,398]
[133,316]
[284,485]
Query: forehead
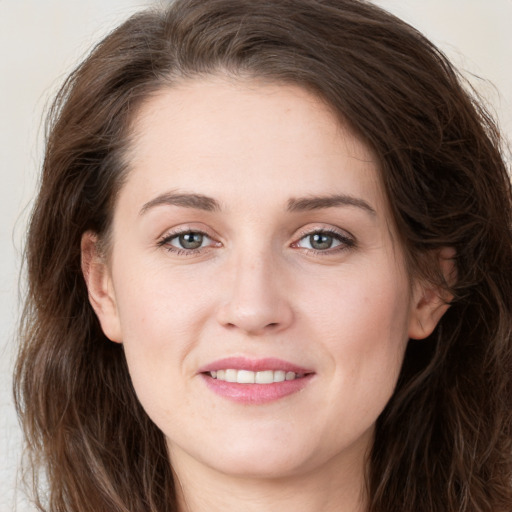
[219,135]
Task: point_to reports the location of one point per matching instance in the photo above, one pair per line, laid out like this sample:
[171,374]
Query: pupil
[320,241]
[191,240]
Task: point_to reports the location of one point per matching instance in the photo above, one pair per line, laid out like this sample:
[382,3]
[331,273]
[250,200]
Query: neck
[330,489]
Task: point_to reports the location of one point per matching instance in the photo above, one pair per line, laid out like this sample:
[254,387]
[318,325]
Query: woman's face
[252,242]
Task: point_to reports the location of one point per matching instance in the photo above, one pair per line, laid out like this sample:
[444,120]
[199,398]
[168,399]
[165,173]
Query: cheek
[363,328]
[156,321]
[164,312]
[359,308]
[156,341]
[152,299]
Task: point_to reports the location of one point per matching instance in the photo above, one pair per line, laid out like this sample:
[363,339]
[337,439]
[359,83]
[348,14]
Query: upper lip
[255,365]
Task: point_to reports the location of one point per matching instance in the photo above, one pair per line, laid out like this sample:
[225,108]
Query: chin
[263,465]
[253,458]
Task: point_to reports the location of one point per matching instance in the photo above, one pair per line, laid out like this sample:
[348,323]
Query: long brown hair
[443,442]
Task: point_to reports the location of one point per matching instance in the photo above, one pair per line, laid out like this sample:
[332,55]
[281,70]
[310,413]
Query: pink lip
[255,393]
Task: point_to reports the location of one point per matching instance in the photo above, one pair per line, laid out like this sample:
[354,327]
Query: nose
[255,301]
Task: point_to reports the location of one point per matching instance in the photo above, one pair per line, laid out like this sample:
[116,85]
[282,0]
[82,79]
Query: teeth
[280,375]
[245,377]
[248,377]
[266,377]
[231,375]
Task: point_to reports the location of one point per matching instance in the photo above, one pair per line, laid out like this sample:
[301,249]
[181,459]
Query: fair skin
[252,225]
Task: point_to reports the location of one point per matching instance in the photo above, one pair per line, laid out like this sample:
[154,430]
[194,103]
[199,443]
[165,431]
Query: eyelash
[165,242]
[346,242]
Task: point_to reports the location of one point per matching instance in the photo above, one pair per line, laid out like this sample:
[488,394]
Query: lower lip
[256,393]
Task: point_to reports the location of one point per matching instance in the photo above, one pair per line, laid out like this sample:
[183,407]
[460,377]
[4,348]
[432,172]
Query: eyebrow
[331,201]
[197,201]
[206,203]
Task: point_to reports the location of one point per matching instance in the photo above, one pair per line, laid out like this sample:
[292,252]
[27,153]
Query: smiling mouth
[250,377]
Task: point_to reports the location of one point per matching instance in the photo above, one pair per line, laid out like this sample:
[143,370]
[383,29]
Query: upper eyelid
[171,236]
[180,230]
[167,237]
[343,233]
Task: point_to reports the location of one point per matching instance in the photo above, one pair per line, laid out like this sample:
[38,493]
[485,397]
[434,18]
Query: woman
[269,269]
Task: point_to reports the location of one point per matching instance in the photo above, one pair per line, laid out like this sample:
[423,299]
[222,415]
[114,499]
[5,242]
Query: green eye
[321,241]
[188,243]
[190,240]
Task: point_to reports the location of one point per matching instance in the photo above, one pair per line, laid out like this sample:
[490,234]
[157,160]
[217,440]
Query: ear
[430,301]
[99,285]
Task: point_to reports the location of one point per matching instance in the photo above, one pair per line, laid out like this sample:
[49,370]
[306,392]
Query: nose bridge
[253,277]
[255,301]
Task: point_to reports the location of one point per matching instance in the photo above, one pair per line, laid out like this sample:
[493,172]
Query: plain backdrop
[40,43]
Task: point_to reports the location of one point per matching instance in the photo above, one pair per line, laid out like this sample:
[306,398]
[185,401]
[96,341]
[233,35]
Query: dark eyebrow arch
[319,202]
[197,201]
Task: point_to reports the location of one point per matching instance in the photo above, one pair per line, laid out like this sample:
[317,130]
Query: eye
[190,240]
[187,242]
[325,241]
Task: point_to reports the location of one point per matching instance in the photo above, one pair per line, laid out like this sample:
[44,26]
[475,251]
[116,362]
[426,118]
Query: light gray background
[42,40]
